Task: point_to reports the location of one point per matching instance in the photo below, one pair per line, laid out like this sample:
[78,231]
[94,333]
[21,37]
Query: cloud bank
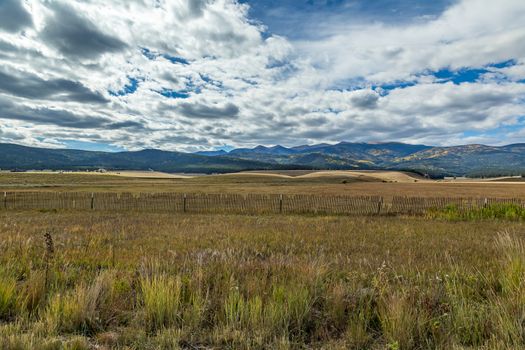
[201,74]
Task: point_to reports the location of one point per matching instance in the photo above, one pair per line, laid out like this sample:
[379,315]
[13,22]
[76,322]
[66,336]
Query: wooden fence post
[184,204]
[485,203]
[92,201]
[5,200]
[280,204]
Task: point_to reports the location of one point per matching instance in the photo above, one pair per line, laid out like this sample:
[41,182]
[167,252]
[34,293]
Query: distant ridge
[15,157]
[463,160]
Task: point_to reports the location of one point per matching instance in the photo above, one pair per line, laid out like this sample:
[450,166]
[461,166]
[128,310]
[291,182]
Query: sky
[192,75]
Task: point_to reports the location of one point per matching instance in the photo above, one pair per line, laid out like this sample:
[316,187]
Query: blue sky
[194,75]
[91,146]
[300,19]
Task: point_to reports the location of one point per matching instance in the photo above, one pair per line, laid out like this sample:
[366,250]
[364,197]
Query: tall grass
[162,300]
[262,283]
[8,295]
[85,309]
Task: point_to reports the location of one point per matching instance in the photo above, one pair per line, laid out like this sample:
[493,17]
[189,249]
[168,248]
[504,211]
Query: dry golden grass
[129,280]
[330,185]
[364,240]
[159,281]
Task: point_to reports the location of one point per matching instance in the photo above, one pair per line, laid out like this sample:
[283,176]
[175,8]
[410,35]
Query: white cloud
[471,33]
[238,85]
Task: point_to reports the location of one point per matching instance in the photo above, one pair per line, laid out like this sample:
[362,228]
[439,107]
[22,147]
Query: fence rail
[239,203]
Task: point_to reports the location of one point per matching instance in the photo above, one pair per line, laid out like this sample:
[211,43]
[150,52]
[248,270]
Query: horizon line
[124,150]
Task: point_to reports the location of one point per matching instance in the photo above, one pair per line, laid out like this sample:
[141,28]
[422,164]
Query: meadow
[162,281]
[335,183]
[141,280]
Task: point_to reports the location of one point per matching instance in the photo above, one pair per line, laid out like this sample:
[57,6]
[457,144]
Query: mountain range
[465,160]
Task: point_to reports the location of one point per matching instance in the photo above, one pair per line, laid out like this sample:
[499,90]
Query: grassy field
[337,183]
[155,281]
[449,279]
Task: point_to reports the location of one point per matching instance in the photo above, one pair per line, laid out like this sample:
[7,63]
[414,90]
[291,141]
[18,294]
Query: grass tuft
[162,301]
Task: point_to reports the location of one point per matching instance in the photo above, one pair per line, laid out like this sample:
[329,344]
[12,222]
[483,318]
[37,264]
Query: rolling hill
[465,160]
[471,160]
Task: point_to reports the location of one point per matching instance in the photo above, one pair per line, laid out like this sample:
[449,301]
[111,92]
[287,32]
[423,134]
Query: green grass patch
[501,211]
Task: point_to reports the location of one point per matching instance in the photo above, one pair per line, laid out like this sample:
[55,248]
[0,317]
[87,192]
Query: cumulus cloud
[209,112]
[471,33]
[365,99]
[14,16]
[76,36]
[195,74]
[49,116]
[33,87]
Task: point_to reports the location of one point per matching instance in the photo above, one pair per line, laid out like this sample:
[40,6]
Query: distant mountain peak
[475,159]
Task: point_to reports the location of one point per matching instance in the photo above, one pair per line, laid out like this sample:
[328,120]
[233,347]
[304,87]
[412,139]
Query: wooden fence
[238,203]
